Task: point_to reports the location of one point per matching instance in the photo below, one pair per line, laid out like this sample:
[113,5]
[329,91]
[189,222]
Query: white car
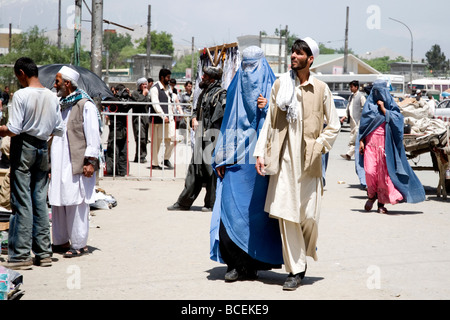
[442,110]
[341,106]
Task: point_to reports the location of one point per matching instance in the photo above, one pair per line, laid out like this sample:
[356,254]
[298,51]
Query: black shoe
[234,275]
[176,207]
[292,282]
[231,276]
[156,168]
[168,164]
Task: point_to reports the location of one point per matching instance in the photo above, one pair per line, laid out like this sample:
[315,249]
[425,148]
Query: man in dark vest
[141,94]
[161,96]
[206,121]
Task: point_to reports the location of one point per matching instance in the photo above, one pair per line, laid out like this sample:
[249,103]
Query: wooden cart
[435,144]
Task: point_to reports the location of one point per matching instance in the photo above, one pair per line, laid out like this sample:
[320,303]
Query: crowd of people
[259,151]
[158,110]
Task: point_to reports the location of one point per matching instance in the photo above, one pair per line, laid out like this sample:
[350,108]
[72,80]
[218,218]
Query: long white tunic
[295,195]
[65,188]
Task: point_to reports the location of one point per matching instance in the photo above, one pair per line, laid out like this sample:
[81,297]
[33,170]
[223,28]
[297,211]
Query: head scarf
[243,119]
[213,72]
[371,116]
[69,73]
[286,99]
[400,172]
[141,81]
[241,194]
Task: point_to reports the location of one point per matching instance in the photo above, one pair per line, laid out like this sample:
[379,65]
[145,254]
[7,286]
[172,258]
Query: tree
[383,64]
[185,62]
[117,44]
[35,45]
[437,63]
[290,37]
[161,43]
[325,50]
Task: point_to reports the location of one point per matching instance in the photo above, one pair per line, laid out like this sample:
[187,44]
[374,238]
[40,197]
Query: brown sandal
[382,210]
[369,204]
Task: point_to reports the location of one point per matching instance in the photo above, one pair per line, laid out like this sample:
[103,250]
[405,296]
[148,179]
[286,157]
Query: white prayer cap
[69,73]
[313,46]
[141,81]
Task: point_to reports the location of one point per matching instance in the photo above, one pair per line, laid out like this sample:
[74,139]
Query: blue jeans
[29,227]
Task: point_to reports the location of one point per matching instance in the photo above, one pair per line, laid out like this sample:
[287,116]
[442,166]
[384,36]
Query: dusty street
[139,250]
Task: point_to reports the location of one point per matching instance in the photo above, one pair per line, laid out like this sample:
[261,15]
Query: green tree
[119,47]
[185,62]
[437,63]
[35,45]
[325,50]
[383,64]
[290,37]
[161,43]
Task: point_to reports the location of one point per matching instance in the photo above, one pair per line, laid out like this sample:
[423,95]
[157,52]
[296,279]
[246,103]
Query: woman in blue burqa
[242,235]
[388,175]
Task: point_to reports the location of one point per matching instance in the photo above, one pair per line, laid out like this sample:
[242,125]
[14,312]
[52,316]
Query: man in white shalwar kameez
[295,192]
[74,159]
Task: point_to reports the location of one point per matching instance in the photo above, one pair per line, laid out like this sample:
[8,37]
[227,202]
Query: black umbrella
[88,81]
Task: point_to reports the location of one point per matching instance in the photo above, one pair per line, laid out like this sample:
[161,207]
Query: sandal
[76,253]
[61,248]
[382,210]
[369,204]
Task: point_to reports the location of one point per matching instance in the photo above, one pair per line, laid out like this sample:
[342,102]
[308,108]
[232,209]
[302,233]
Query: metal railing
[186,116]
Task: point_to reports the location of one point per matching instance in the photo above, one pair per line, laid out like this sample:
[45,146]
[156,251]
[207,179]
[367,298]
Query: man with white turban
[302,104]
[74,159]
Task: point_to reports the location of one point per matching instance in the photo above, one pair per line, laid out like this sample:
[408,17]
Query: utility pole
[279,52]
[149,43]
[59,24]
[286,49]
[346,44]
[411,62]
[97,37]
[192,61]
[77,33]
[10,38]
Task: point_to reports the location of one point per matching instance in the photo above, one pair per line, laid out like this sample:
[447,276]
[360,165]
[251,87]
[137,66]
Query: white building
[4,39]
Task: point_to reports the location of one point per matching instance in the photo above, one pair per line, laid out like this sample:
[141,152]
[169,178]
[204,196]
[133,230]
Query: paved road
[139,250]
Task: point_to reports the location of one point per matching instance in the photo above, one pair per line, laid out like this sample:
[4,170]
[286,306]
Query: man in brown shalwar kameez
[295,191]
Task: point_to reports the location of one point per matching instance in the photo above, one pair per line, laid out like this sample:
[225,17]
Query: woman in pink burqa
[389,177]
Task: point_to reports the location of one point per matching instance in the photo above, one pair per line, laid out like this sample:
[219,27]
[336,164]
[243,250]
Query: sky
[214,22]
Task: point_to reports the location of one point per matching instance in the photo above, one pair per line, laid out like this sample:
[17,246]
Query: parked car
[341,106]
[442,110]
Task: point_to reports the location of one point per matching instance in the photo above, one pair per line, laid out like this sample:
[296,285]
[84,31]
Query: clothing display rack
[219,52]
[225,56]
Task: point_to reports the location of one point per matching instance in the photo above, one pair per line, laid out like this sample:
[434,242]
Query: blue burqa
[400,172]
[241,194]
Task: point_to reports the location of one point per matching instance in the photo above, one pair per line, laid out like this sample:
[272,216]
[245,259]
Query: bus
[430,84]
[340,82]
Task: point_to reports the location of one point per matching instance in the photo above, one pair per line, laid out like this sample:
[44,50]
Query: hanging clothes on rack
[225,56]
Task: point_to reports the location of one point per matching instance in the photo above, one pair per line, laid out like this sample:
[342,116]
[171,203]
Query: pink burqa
[378,182]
